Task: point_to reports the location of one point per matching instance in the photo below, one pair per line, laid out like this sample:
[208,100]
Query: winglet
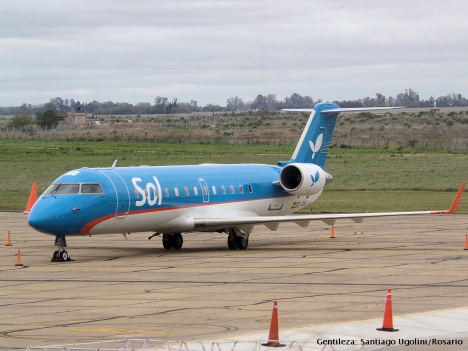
[455,202]
[457,199]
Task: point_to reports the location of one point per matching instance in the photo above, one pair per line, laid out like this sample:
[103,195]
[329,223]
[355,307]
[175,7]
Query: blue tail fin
[317,135]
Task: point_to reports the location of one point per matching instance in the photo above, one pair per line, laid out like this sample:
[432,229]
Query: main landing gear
[237,239]
[60,255]
[172,241]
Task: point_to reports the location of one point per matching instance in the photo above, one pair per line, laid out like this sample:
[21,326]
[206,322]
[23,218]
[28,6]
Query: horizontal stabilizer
[338,110]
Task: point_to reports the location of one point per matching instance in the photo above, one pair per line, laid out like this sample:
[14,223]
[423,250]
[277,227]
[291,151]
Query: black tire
[232,245]
[56,255]
[64,256]
[177,241]
[242,243]
[167,241]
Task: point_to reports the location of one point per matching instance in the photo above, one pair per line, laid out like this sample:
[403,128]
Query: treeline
[163,105]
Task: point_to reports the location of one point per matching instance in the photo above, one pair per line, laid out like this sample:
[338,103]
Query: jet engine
[304,179]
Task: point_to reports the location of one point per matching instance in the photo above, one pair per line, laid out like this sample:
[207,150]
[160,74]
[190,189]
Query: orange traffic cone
[466,242]
[273,336]
[18,262]
[387,324]
[8,243]
[32,198]
[332,235]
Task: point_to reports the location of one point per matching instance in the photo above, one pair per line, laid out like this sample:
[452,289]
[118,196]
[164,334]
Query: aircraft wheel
[56,255]
[242,242]
[167,241]
[64,256]
[232,244]
[177,241]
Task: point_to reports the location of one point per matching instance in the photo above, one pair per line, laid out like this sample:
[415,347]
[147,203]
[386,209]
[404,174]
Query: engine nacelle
[304,179]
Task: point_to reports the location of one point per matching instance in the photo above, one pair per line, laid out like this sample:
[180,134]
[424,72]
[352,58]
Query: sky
[209,51]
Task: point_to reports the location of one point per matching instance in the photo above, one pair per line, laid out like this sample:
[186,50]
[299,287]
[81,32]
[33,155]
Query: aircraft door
[204,190]
[122,194]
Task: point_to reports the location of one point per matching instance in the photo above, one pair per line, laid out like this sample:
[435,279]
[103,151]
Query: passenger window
[137,194]
[65,189]
[214,190]
[231,188]
[223,189]
[195,190]
[186,191]
[241,189]
[250,188]
[205,190]
[166,192]
[91,189]
[176,191]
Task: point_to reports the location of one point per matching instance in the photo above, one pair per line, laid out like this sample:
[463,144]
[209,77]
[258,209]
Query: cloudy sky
[208,51]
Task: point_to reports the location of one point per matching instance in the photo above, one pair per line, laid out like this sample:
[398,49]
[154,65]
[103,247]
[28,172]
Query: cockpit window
[93,188]
[73,188]
[67,189]
[50,189]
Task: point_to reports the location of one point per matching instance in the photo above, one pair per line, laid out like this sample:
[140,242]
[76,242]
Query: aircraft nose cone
[56,216]
[39,220]
[47,216]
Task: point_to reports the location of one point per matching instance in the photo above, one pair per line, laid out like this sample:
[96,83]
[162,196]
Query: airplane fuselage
[162,199]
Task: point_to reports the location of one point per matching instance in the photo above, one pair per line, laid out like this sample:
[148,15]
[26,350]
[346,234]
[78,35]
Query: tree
[271,102]
[171,107]
[369,102]
[160,104]
[298,101]
[47,119]
[234,103]
[59,104]
[380,100]
[20,120]
[409,98]
[259,103]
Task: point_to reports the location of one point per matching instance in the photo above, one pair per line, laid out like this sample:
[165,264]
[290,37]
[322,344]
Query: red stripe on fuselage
[90,225]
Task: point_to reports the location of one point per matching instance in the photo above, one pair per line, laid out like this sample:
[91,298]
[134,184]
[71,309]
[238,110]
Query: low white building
[74,117]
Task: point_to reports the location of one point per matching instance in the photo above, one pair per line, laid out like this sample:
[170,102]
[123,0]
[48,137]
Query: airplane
[224,198]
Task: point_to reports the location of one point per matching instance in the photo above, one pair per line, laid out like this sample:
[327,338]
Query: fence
[420,143]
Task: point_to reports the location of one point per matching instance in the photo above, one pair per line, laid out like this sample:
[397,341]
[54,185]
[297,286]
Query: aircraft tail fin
[316,138]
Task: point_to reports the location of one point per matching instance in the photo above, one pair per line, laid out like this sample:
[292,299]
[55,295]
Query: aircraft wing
[303,220]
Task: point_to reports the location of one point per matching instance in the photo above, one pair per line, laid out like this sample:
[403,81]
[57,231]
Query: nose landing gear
[60,255]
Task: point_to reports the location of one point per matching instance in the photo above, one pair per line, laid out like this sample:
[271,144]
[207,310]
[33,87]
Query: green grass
[365,180]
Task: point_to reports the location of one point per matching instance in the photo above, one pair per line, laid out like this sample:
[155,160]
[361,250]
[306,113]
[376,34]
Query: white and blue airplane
[224,198]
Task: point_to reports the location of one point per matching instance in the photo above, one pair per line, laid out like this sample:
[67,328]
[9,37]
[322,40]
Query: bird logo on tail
[316,147]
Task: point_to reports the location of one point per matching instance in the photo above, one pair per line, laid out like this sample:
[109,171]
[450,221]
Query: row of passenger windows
[186,190]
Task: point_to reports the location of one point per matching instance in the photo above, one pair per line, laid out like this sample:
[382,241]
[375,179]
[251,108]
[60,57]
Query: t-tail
[317,136]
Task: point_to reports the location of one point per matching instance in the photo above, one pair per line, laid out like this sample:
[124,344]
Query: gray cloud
[211,50]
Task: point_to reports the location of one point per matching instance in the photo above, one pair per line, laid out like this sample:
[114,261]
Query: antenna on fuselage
[113,165]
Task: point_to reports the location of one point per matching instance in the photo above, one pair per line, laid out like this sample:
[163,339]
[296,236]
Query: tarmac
[326,289]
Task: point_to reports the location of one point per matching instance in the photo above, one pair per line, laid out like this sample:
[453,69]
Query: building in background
[74,117]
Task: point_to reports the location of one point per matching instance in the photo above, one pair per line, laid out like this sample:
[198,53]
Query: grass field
[364,179]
